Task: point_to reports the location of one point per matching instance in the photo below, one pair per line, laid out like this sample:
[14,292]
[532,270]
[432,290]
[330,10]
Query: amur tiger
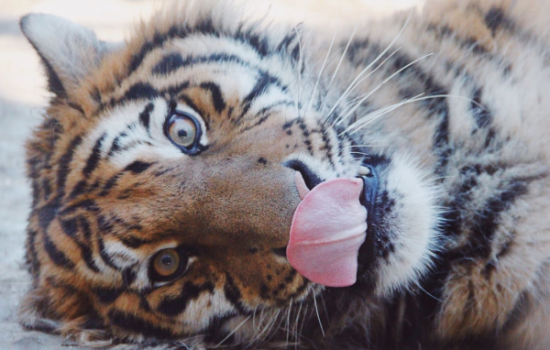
[168,171]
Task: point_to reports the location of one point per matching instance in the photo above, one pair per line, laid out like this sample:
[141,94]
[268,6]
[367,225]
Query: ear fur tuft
[69,51]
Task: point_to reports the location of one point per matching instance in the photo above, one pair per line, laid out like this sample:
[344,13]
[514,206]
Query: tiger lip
[368,200]
[370,186]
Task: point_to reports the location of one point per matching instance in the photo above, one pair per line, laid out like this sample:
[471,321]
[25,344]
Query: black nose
[310,177]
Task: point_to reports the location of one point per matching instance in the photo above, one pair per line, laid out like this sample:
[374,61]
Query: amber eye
[168,264]
[184,131]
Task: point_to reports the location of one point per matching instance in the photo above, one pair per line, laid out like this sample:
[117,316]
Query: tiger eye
[183,131]
[166,262]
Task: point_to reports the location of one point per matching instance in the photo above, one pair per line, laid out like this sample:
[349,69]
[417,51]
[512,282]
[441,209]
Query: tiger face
[164,180]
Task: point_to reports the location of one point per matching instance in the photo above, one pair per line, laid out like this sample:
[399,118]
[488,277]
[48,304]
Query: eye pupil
[182,133]
[166,260]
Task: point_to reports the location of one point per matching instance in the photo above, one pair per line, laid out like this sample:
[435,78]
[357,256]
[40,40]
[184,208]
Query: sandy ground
[22,101]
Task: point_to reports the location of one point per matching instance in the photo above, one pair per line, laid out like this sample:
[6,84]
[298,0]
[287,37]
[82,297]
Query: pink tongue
[328,228]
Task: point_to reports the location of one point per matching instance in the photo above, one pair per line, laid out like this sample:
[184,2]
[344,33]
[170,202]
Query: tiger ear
[68,51]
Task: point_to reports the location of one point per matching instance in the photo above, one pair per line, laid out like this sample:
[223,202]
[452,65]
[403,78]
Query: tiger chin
[164,185]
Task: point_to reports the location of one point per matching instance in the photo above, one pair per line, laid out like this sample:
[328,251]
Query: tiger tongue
[327,231]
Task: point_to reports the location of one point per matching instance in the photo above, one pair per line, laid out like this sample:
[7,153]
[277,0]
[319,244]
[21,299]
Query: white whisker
[320,73]
[298,71]
[354,104]
[288,322]
[318,316]
[371,117]
[232,332]
[369,66]
[341,59]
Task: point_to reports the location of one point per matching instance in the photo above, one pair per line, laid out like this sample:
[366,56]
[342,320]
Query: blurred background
[23,98]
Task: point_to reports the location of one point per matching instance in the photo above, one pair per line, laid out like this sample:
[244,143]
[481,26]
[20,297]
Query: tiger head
[164,178]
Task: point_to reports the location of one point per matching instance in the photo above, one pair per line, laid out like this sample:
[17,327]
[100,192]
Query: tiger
[166,176]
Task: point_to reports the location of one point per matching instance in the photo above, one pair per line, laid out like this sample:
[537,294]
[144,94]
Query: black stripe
[87,204]
[135,324]
[109,185]
[233,294]
[78,189]
[76,108]
[257,42]
[264,81]
[218,58]
[31,258]
[146,91]
[85,248]
[64,164]
[86,230]
[287,41]
[469,44]
[36,196]
[168,64]
[70,227]
[174,90]
[47,214]
[95,156]
[480,113]
[137,167]
[138,91]
[57,256]
[145,116]
[217,97]
[104,225]
[107,295]
[265,114]
[116,144]
[47,188]
[175,306]
[106,258]
[134,242]
[495,18]
[129,275]
[485,222]
[88,257]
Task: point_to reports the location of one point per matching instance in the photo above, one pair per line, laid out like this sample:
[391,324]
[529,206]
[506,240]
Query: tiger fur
[448,105]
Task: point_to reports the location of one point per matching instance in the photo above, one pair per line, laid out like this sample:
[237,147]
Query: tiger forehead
[166,56]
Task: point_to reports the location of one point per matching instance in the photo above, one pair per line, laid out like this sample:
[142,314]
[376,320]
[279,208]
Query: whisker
[380,112]
[354,105]
[232,332]
[321,72]
[324,306]
[304,319]
[370,65]
[318,316]
[341,58]
[425,291]
[384,82]
[371,117]
[254,318]
[298,71]
[288,322]
[295,328]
